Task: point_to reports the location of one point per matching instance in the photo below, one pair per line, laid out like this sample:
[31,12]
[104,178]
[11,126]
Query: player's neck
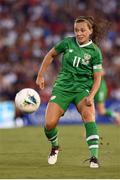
[84,44]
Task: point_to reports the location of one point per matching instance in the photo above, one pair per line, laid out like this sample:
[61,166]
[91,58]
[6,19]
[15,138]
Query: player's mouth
[80,39]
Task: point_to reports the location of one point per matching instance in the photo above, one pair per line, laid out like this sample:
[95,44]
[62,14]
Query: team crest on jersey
[87,56]
[86,59]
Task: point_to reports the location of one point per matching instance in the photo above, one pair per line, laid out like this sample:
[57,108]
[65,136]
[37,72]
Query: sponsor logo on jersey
[70,50]
[53,97]
[55,84]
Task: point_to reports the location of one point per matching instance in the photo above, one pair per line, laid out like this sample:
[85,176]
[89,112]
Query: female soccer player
[77,83]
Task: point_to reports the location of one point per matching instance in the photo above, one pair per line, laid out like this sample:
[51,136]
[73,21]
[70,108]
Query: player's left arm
[97,72]
[97,75]
[97,80]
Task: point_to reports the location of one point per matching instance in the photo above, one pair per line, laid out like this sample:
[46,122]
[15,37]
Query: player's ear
[91,31]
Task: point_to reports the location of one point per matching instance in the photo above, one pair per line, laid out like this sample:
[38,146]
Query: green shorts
[64,98]
[101,93]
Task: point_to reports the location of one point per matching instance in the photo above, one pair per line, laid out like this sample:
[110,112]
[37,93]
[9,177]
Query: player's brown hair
[99,27]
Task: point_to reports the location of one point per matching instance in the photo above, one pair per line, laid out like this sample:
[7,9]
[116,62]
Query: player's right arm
[59,48]
[46,62]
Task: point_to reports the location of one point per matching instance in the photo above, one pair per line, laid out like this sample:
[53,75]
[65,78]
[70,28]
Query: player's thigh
[52,115]
[63,99]
[87,112]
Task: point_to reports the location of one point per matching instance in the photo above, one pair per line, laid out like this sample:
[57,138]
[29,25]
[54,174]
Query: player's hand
[89,101]
[40,82]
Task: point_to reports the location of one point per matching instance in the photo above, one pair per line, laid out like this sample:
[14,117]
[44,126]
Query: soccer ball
[27,100]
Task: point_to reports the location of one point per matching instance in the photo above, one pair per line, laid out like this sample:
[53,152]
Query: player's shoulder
[96,47]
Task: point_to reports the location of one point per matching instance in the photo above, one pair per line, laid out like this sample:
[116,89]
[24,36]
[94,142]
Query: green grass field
[24,151]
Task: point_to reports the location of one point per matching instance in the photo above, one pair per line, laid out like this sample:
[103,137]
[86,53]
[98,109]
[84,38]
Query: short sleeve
[61,46]
[97,61]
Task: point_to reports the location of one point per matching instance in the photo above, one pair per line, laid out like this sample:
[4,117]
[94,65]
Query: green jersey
[79,62]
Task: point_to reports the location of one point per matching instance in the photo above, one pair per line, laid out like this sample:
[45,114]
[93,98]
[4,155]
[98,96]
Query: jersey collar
[84,45]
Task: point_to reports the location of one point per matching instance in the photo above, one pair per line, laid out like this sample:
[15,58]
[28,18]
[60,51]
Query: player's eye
[76,30]
[82,30]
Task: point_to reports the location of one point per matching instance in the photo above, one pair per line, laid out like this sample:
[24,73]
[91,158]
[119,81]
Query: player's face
[82,32]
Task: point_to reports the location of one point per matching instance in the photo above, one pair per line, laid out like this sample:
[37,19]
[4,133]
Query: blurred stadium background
[28,29]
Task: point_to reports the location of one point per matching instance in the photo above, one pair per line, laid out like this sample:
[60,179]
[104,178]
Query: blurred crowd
[29,28]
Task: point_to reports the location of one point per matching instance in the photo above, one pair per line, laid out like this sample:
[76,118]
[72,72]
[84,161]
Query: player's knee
[88,115]
[50,125]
